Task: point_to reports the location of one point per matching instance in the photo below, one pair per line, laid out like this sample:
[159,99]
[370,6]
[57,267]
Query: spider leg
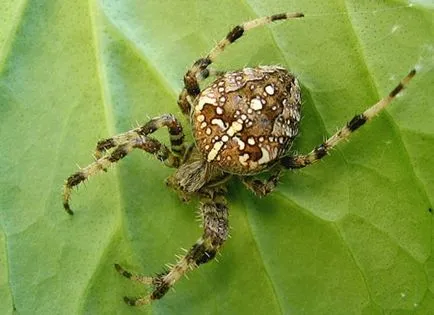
[262,188]
[173,125]
[204,74]
[300,161]
[147,144]
[214,213]
[191,83]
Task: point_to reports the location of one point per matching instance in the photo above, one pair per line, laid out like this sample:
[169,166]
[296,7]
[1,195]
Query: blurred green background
[350,235]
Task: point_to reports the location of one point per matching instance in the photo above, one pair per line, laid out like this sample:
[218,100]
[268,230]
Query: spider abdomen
[247,119]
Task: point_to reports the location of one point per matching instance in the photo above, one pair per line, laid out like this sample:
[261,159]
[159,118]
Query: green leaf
[350,235]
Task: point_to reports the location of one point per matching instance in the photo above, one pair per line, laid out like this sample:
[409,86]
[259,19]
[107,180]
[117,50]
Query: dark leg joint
[281,16]
[175,129]
[206,256]
[193,91]
[160,291]
[356,122]
[148,128]
[396,90]
[200,255]
[75,179]
[118,154]
[202,63]
[177,141]
[130,301]
[291,163]
[106,144]
[68,208]
[284,16]
[191,85]
[150,145]
[203,74]
[236,33]
[123,272]
[320,151]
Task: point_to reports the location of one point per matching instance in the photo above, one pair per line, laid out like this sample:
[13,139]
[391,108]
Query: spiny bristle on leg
[134,277]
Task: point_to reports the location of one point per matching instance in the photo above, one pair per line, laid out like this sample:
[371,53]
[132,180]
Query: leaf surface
[350,235]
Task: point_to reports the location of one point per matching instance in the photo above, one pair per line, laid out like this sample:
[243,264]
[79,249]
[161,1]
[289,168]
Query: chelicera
[243,124]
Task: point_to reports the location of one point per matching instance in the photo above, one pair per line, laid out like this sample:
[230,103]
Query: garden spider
[243,124]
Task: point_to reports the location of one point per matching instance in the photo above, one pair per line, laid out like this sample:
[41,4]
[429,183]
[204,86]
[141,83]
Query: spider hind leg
[300,161]
[214,213]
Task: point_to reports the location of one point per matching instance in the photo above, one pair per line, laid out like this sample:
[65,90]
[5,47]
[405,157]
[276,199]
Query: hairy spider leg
[300,161]
[173,125]
[123,144]
[191,82]
[214,214]
[205,73]
[262,187]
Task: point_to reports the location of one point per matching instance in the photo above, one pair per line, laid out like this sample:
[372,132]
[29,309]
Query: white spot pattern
[256,104]
[269,89]
[256,115]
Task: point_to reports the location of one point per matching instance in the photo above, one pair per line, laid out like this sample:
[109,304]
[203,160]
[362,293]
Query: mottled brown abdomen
[247,119]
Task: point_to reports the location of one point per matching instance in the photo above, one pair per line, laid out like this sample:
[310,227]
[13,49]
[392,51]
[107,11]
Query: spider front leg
[147,144]
[199,69]
[121,145]
[173,125]
[300,161]
[214,213]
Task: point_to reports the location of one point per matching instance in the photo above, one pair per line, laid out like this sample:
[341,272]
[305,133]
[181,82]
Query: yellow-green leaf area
[349,235]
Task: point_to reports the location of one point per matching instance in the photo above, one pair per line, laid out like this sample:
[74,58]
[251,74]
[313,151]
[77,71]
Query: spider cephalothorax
[243,124]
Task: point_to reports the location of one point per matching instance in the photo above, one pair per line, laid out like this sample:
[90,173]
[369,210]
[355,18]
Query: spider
[243,124]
